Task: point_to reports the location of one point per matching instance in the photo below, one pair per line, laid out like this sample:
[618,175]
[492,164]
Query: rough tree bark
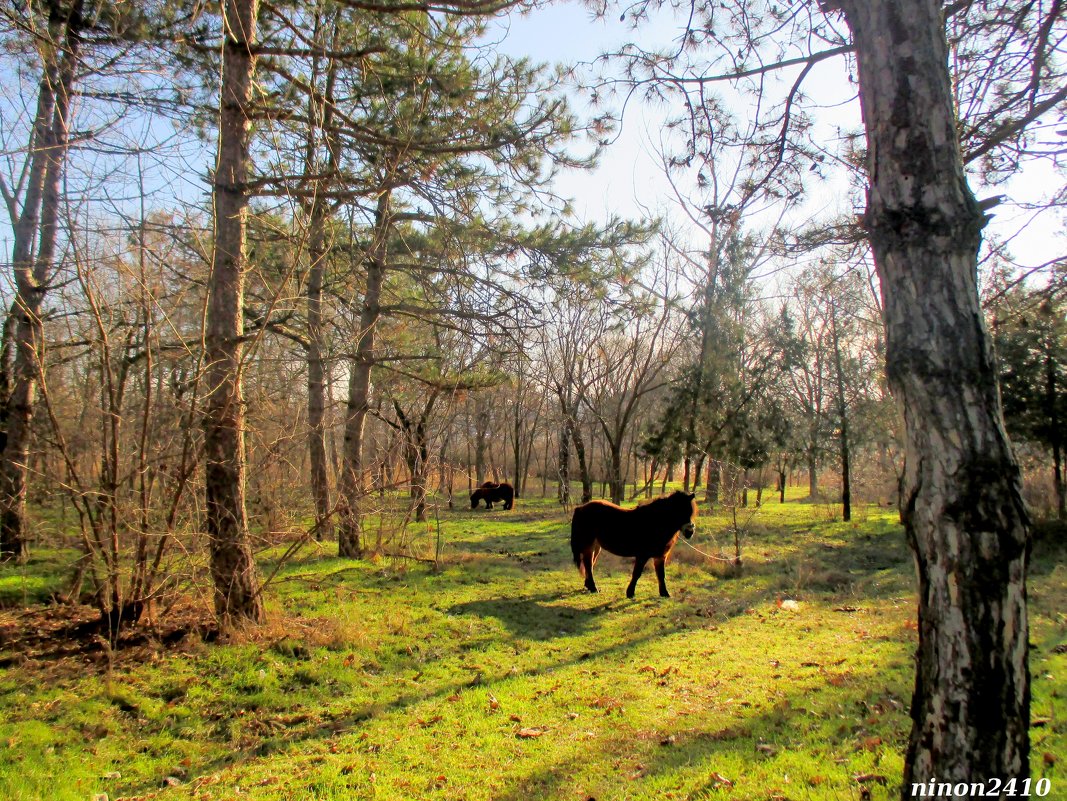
[961,504]
[37,221]
[233,569]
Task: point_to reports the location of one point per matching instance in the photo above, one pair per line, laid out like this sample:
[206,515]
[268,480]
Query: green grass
[500,678]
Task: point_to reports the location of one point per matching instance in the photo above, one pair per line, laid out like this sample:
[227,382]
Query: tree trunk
[351,487]
[842,414]
[813,475]
[481,434]
[617,482]
[233,570]
[1057,480]
[419,472]
[1052,412]
[320,113]
[564,462]
[39,216]
[711,489]
[961,503]
[517,446]
[583,463]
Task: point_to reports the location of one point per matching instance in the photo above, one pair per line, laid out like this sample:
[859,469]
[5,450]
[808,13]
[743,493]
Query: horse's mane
[651,503]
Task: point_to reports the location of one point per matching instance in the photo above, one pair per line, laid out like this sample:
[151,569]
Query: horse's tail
[580,540]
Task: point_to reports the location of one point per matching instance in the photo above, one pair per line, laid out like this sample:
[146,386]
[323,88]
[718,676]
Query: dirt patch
[62,638]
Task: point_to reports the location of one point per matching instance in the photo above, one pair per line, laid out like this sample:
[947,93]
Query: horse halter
[688,530]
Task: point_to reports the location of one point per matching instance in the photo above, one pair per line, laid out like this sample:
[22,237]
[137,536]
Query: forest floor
[498,677]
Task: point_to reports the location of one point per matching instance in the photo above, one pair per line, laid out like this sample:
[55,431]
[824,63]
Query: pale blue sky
[629,178]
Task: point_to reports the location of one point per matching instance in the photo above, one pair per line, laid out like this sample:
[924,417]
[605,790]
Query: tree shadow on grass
[538,617]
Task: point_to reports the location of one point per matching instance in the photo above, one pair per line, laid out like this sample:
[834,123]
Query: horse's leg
[588,558]
[639,568]
[596,553]
[660,562]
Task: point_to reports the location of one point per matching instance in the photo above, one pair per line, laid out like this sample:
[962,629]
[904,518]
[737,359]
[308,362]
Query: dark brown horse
[491,492]
[647,532]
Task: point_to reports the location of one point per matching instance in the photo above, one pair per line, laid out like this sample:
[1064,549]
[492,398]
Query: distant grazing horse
[491,493]
[647,532]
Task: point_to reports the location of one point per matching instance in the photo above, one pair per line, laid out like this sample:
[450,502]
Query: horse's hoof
[593,590]
[664,594]
[629,593]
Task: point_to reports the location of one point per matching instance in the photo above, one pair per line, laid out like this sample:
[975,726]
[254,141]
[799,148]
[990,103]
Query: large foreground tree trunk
[961,505]
[233,569]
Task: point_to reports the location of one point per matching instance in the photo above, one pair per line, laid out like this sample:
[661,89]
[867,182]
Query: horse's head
[687,499]
[475,496]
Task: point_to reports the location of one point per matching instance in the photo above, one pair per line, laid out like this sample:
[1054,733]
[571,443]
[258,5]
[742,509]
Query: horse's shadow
[535,617]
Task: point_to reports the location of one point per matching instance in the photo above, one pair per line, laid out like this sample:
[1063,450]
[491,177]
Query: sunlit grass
[496,676]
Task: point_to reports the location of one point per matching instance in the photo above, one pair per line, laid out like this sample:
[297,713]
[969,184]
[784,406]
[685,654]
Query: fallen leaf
[870,743]
[670,739]
[764,748]
[1048,759]
[718,780]
[529,733]
[429,722]
[515,718]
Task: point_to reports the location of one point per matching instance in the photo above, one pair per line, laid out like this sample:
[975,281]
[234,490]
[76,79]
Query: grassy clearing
[500,678]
